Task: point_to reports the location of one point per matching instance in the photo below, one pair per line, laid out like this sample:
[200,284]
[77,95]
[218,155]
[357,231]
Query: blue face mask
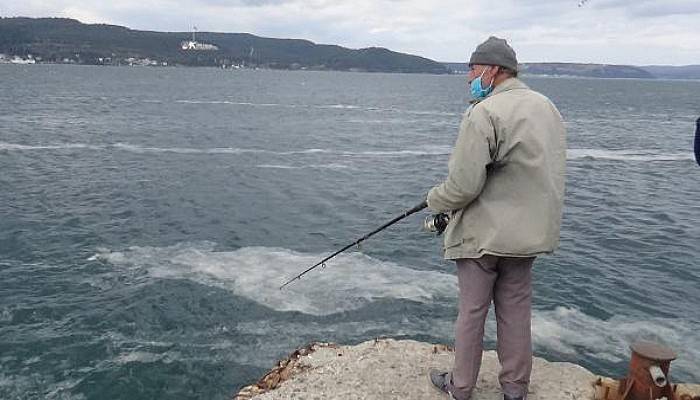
[477,91]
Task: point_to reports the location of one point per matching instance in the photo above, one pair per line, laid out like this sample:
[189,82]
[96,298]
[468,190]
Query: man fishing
[504,194]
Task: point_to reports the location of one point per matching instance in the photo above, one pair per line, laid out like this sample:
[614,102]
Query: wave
[626,155]
[309,166]
[183,150]
[429,150]
[143,357]
[146,149]
[63,146]
[237,103]
[349,282]
[324,107]
[6,315]
[345,107]
[634,155]
[18,386]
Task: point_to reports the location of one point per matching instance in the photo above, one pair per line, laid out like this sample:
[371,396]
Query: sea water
[149,215]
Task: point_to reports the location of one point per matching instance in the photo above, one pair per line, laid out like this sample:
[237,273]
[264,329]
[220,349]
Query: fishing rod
[358,241]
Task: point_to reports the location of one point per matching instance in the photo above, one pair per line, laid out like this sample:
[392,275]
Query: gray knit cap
[495,51]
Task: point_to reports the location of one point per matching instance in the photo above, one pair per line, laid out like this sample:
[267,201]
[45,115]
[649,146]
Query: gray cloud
[243,3]
[607,31]
[650,8]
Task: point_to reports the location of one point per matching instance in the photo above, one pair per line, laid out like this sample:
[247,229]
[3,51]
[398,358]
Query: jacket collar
[508,84]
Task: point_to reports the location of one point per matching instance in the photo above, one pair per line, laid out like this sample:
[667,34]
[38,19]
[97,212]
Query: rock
[385,369]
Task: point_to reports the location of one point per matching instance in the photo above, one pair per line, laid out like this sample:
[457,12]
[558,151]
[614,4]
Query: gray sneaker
[439,379]
[506,397]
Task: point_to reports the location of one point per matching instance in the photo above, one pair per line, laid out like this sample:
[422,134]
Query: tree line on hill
[68,40]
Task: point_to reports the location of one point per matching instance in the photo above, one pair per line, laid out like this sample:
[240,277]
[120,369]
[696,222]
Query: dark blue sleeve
[697,141]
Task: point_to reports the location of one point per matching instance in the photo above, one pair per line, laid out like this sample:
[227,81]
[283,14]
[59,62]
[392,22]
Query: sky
[641,32]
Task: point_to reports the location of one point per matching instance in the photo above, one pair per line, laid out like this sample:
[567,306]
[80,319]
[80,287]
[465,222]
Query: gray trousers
[507,281]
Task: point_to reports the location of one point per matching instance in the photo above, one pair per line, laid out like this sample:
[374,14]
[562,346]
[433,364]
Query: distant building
[132,61]
[6,59]
[195,45]
[20,60]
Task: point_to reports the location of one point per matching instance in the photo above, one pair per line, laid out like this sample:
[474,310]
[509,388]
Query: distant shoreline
[522,75]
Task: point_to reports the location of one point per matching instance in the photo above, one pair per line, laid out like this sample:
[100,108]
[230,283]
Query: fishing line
[322,263]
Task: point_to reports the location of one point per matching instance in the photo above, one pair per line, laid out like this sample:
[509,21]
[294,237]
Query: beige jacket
[505,186]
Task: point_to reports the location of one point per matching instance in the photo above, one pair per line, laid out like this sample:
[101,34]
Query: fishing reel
[436,223]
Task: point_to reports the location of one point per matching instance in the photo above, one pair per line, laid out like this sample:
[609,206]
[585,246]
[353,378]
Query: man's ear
[495,70]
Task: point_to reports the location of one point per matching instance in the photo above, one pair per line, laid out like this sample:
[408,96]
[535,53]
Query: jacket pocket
[452,244]
[454,234]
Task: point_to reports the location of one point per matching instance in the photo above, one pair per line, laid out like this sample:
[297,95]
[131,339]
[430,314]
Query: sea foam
[353,280]
[350,280]
[573,332]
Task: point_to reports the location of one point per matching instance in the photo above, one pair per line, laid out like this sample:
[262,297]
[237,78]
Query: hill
[586,70]
[571,69]
[61,40]
[599,70]
[674,72]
